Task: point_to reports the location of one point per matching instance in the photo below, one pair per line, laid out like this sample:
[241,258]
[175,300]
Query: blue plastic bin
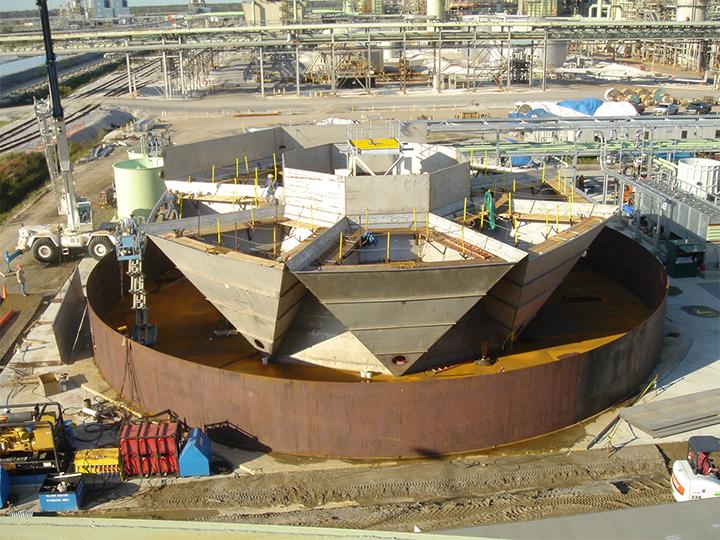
[54,500]
[195,456]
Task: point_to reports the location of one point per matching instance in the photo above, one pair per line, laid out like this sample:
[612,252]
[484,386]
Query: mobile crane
[47,241]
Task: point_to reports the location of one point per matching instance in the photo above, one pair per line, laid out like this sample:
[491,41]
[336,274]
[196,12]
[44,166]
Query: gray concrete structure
[260,145]
[110,9]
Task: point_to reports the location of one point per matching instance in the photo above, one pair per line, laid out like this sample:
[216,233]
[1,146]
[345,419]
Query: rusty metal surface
[519,295]
[412,417]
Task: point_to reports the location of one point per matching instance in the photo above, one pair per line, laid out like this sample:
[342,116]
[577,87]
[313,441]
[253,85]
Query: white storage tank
[699,176]
[436,10]
[138,185]
[556,55]
[690,10]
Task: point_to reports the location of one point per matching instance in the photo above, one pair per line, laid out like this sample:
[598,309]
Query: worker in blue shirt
[173,205]
[271,187]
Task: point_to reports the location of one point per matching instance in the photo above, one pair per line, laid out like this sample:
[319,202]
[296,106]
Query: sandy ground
[503,485]
[432,495]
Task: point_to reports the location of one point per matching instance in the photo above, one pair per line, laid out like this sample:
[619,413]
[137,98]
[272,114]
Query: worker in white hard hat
[271,186]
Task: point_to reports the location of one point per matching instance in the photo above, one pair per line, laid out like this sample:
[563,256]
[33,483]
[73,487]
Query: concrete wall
[414,132]
[441,158]
[378,164]
[387,194]
[449,185]
[187,159]
[307,189]
[316,159]
[296,137]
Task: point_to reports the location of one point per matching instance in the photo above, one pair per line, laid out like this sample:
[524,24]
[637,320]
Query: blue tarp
[532,113]
[670,156]
[585,106]
[520,161]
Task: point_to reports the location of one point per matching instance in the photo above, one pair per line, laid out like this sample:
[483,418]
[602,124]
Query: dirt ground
[429,495]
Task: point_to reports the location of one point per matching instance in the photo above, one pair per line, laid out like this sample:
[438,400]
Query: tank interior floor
[585,312]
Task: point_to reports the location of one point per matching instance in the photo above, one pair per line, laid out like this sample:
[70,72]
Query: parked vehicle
[665,109]
[639,107]
[697,477]
[698,107]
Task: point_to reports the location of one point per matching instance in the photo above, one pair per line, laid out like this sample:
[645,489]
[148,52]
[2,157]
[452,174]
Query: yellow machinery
[31,436]
[98,461]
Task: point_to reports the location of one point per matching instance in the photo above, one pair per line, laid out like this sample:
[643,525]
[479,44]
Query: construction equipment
[130,243]
[47,241]
[32,437]
[107,197]
[697,477]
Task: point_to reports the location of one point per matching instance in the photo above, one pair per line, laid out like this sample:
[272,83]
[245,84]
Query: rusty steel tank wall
[412,418]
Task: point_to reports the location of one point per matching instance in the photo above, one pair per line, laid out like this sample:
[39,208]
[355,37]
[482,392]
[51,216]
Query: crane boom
[57,153]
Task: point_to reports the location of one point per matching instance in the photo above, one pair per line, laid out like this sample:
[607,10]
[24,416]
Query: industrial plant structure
[374,312]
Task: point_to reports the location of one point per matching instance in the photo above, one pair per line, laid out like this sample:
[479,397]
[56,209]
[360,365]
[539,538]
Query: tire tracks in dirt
[430,495]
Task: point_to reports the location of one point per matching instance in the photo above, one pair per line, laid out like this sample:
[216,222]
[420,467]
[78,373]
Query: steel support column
[368,80]
[129,74]
[405,65]
[438,65]
[297,70]
[333,83]
[181,61]
[545,55]
[474,59]
[165,75]
[262,71]
[509,62]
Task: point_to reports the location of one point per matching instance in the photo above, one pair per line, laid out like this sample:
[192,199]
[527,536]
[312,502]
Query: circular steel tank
[427,414]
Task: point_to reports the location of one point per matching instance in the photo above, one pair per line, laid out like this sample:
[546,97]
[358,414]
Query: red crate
[150,465]
[159,439]
[129,442]
[148,439]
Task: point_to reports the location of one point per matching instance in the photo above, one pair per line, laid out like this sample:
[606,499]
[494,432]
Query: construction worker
[705,465]
[20,274]
[173,210]
[271,186]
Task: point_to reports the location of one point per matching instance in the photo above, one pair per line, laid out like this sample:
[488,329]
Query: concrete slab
[675,415]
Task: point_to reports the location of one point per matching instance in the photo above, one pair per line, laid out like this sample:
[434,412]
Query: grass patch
[587,160]
[21,174]
[82,149]
[24,175]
